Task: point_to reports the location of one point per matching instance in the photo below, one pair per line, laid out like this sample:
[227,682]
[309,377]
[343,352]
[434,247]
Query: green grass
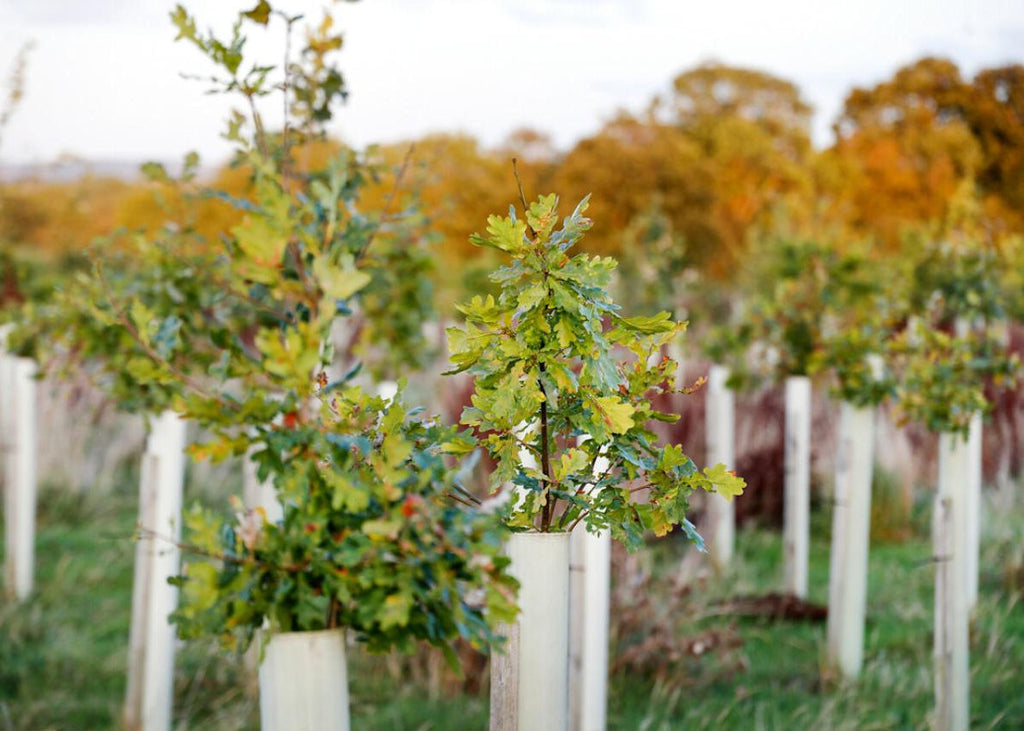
[783,686]
[62,654]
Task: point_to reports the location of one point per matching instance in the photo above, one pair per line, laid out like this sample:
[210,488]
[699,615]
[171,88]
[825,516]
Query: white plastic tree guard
[590,559]
[972,506]
[952,676]
[387,390]
[973,509]
[18,442]
[720,416]
[590,598]
[258,493]
[530,680]
[157,557]
[304,682]
[851,529]
[797,508]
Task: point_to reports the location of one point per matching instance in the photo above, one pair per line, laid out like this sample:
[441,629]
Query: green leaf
[395,611]
[564,332]
[141,317]
[662,322]
[504,234]
[339,283]
[382,529]
[480,309]
[345,494]
[542,215]
[672,456]
[185,24]
[200,586]
[459,445]
[532,295]
[155,172]
[570,463]
[726,483]
[260,14]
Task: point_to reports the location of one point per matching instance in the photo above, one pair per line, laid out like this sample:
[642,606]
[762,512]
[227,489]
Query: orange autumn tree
[753,130]
[902,149]
[995,116]
[626,166]
[726,152]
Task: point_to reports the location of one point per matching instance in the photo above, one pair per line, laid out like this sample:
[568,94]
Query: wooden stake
[796,529]
[720,420]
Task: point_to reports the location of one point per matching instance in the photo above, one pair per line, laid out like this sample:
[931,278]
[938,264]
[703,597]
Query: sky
[105,82]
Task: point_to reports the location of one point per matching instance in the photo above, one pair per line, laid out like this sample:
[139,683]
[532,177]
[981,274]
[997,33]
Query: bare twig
[522,195]
[388,202]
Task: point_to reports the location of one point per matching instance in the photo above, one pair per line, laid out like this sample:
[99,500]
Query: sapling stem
[545,461]
[522,195]
[388,202]
[548,511]
[257,121]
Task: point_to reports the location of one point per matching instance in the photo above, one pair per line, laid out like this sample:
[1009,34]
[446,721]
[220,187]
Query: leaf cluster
[942,376]
[803,294]
[958,279]
[235,334]
[556,404]
[370,539]
[855,357]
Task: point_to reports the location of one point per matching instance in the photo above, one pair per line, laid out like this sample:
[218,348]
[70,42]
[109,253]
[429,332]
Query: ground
[63,654]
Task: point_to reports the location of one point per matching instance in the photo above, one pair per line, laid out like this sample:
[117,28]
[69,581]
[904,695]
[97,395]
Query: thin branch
[545,458]
[592,486]
[144,532]
[459,500]
[286,87]
[332,612]
[388,202]
[261,137]
[181,375]
[522,196]
[466,494]
[583,514]
[224,285]
[641,488]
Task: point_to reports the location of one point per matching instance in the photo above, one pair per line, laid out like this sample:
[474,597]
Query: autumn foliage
[724,154]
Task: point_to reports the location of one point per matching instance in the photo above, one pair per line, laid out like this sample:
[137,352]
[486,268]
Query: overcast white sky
[103,81]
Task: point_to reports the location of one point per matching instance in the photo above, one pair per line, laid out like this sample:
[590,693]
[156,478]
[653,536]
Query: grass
[62,654]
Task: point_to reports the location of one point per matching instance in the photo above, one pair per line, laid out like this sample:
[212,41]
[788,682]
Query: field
[62,662]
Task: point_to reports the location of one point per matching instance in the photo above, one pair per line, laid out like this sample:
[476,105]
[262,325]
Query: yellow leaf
[617,415]
[726,482]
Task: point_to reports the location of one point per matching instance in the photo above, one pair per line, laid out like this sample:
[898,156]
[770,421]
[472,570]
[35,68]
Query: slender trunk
[547,513]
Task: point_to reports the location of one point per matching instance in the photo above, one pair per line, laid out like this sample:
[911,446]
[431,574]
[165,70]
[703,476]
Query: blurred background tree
[724,156]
